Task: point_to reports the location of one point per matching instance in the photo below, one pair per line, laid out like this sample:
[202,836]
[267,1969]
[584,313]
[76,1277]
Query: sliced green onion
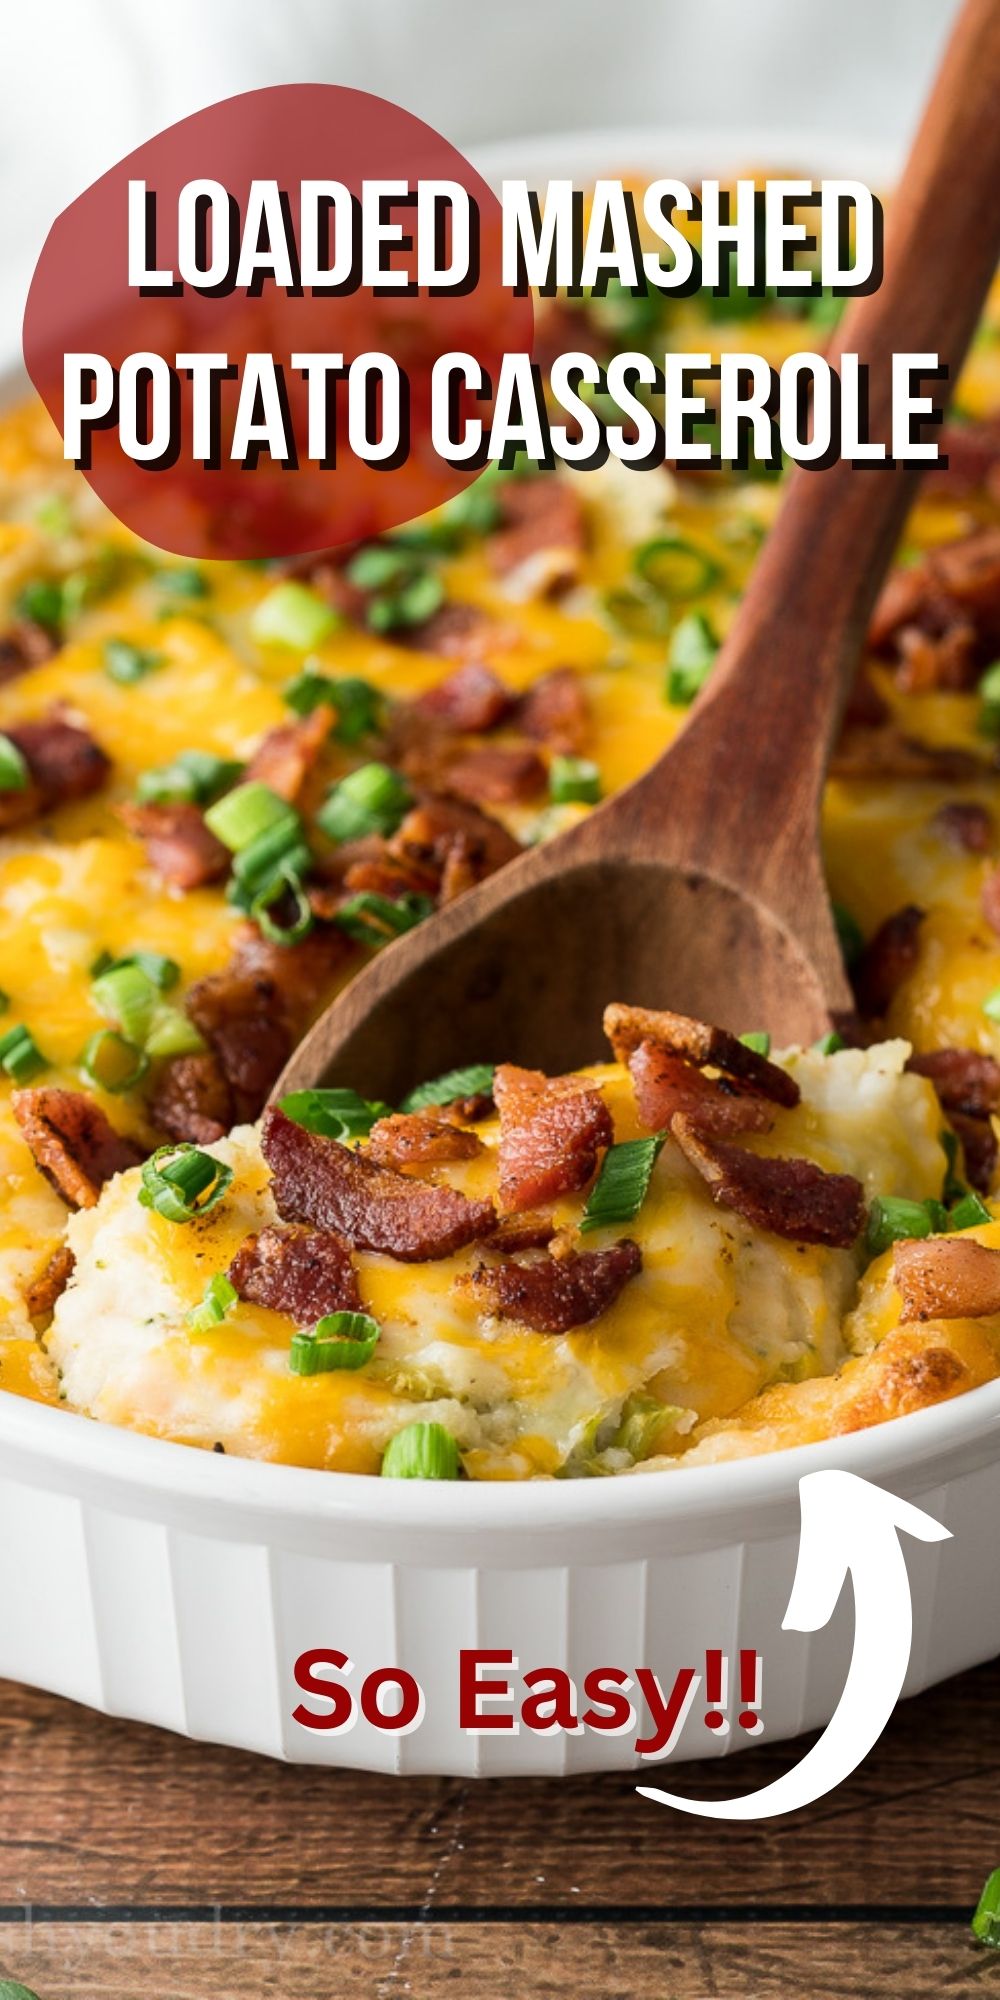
[220,1296]
[41,601]
[991,1004]
[163,971]
[675,567]
[574,780]
[622,1184]
[758,1040]
[642,1420]
[14,773]
[126,996]
[293,615]
[370,800]
[421,1451]
[335,1113]
[410,605]
[359,705]
[341,1340]
[989,694]
[10,1989]
[830,1045]
[284,886]
[112,1062]
[127,664]
[54,515]
[182,1183]
[640,613]
[378,565]
[954,1188]
[968,1213]
[278,853]
[372,919]
[474,511]
[172,1034]
[194,777]
[475,1080]
[244,814]
[986,1922]
[20,1056]
[891,1220]
[185,583]
[690,658]
[850,934]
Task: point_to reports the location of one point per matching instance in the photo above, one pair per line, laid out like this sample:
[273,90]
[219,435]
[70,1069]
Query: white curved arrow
[847,1524]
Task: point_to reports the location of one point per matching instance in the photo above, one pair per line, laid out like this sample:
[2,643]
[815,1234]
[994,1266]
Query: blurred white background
[84,81]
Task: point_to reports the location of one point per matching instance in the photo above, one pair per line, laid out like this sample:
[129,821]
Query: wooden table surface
[136,1864]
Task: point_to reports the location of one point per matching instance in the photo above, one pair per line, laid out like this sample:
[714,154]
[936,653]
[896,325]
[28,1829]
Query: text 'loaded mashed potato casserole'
[222,785]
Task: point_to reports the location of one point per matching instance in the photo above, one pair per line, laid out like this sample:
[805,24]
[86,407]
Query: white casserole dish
[178,1587]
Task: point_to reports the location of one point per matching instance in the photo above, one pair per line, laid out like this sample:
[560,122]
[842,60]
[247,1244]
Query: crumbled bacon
[192,1100]
[940,618]
[989,899]
[64,763]
[496,776]
[541,523]
[179,846]
[286,756]
[470,700]
[305,1273]
[455,632]
[979,1147]
[705,1046]
[319,1181]
[885,752]
[553,1295]
[439,831]
[887,960]
[965,1079]
[551,1129]
[50,1284]
[666,1084]
[946,1277]
[419,1138]
[792,1198]
[23,645]
[965,825]
[554,711]
[73,1143]
[523,1232]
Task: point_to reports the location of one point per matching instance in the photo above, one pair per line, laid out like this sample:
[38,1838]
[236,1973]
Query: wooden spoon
[701,887]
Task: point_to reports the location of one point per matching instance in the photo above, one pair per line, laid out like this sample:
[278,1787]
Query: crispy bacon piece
[940,619]
[319,1181]
[438,830]
[523,1232]
[382,875]
[666,1084]
[701,1044]
[496,777]
[64,763]
[965,825]
[791,1198]
[553,1295]
[470,700]
[179,846]
[939,655]
[551,1129]
[965,1079]
[554,711]
[541,523]
[305,1273]
[989,899]
[50,1284]
[419,1139]
[455,632]
[74,1145]
[885,752]
[887,960]
[946,1277]
[192,1100]
[979,1148]
[286,756]
[24,645]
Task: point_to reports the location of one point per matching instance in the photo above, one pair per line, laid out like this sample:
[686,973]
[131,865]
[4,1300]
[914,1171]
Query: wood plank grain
[93,1810]
[589,1962]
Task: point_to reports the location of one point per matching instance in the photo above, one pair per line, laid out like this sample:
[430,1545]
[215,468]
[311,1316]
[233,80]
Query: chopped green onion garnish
[20,1055]
[850,934]
[14,773]
[954,1187]
[409,605]
[831,1044]
[183,583]
[421,1451]
[989,693]
[374,920]
[475,1080]
[758,1040]
[127,664]
[112,1062]
[163,971]
[891,1219]
[359,705]
[986,1922]
[991,1004]
[293,615]
[341,1340]
[370,800]
[195,777]
[381,563]
[54,514]
[639,612]
[10,1989]
[182,1183]
[968,1213]
[574,780]
[283,888]
[675,567]
[172,1034]
[690,658]
[335,1113]
[243,815]
[126,996]
[622,1184]
[220,1295]
[42,602]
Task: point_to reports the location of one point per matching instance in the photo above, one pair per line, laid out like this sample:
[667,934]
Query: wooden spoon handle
[746,775]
